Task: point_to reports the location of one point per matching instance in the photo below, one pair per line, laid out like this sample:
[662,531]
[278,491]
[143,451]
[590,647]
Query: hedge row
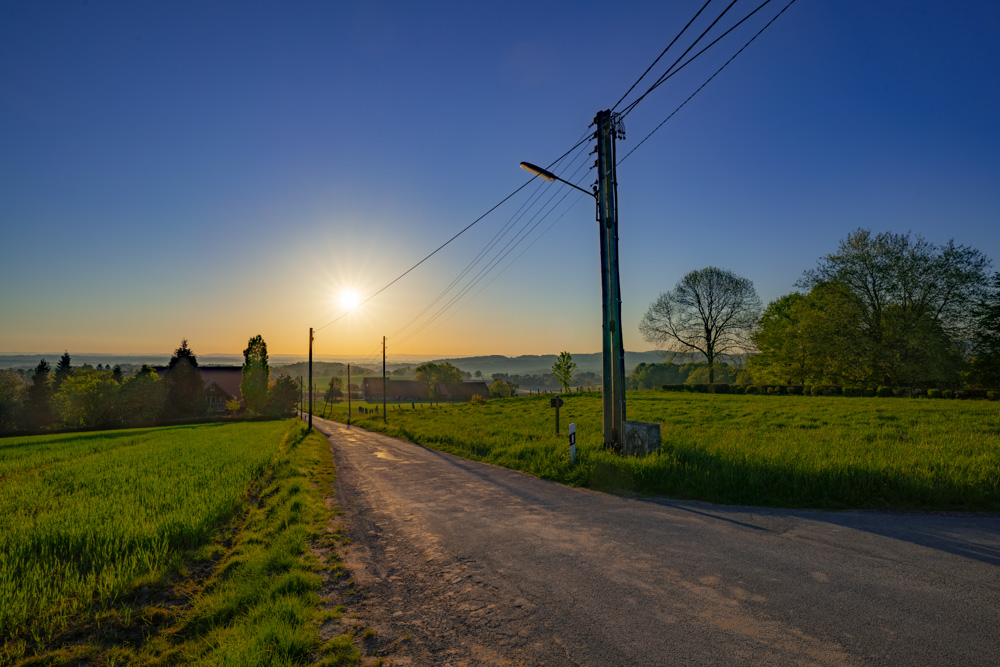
[832,390]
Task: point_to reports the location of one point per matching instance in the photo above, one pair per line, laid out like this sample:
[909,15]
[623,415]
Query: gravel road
[462,563]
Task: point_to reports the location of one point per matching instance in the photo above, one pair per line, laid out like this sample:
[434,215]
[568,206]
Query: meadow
[166,545]
[779,451]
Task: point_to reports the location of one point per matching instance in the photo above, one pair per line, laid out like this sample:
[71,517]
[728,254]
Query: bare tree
[711,311]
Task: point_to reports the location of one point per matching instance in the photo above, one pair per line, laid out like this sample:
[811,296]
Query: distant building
[395,390]
[462,391]
[222,383]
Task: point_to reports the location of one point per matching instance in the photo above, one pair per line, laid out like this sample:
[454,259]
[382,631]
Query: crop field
[781,451]
[87,519]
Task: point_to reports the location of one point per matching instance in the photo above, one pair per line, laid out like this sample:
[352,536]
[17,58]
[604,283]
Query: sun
[349,299]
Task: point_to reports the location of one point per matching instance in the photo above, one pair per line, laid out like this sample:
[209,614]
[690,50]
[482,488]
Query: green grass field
[166,545]
[782,451]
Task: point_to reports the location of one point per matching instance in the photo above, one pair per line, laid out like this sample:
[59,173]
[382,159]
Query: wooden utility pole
[310,378]
[613,350]
[384,418]
[348,394]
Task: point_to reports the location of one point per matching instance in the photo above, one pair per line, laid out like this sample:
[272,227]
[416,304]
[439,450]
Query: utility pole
[613,350]
[310,378]
[302,392]
[348,394]
[384,418]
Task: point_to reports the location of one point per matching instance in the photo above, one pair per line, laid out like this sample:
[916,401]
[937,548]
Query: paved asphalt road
[459,562]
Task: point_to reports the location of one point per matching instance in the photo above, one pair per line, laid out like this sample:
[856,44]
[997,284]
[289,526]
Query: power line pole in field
[384,418]
[310,378]
[609,127]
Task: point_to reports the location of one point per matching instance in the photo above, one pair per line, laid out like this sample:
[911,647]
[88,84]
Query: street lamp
[613,350]
[549,176]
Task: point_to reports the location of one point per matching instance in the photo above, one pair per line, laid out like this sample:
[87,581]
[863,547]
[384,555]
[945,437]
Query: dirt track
[458,563]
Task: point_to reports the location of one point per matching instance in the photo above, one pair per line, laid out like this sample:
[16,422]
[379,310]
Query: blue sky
[216,170]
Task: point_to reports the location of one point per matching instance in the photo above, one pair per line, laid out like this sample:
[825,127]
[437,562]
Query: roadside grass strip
[779,451]
[168,546]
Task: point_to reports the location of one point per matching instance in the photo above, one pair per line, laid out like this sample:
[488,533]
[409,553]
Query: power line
[667,75]
[439,248]
[671,71]
[707,81]
[662,53]
[517,217]
[664,76]
[509,247]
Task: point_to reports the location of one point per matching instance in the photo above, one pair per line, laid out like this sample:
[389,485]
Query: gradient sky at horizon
[212,171]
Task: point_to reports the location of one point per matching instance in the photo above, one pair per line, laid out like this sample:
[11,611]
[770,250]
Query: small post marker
[556,403]
[572,442]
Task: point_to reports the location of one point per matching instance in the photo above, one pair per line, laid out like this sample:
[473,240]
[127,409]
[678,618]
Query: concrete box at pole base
[641,439]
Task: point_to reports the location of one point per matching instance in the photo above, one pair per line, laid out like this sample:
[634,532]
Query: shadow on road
[970,535]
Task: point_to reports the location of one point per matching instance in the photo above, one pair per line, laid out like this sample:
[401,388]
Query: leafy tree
[648,376]
[284,396]
[184,384]
[434,374]
[478,375]
[256,375]
[810,339]
[142,398]
[711,311]
[233,405]
[703,373]
[502,389]
[916,301]
[63,369]
[88,398]
[563,369]
[335,390]
[985,366]
[12,391]
[38,410]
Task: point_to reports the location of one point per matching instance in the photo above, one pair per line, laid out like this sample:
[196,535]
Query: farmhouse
[222,383]
[395,390]
[462,391]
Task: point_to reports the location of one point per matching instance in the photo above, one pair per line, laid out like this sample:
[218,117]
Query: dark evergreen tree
[117,375]
[256,374]
[283,396]
[185,387]
[13,388]
[63,369]
[38,410]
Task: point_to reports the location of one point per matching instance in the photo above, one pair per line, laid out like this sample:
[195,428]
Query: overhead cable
[662,53]
[707,81]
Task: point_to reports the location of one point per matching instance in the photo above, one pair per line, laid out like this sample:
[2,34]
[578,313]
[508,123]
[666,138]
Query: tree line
[882,310]
[84,397]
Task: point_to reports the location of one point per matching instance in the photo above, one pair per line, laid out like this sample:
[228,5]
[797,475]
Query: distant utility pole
[302,393]
[310,378]
[609,127]
[384,419]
